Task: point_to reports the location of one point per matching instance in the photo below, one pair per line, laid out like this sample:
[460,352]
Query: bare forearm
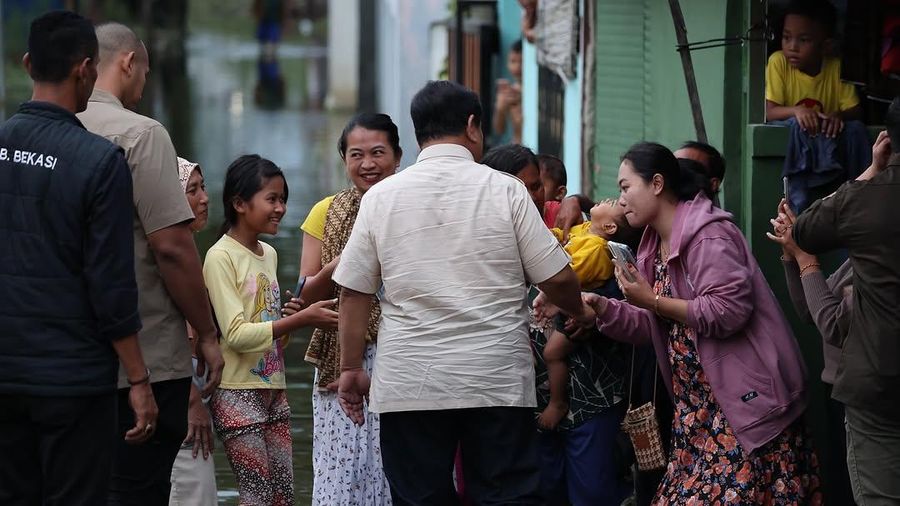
[564,291]
[319,286]
[500,120]
[180,269]
[868,174]
[353,322]
[129,352]
[585,203]
[776,112]
[288,324]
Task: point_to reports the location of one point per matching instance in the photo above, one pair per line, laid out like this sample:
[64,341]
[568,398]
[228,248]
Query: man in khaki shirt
[167,267]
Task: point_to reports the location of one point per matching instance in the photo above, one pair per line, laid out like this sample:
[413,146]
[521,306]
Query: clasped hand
[576,326]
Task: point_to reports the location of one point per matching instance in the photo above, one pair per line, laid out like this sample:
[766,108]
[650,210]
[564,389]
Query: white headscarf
[185,169]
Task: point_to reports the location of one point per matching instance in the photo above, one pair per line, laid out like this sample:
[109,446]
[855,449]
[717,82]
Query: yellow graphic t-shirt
[590,259]
[243,290]
[826,93]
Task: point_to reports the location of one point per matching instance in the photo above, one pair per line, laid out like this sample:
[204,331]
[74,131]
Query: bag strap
[631,379]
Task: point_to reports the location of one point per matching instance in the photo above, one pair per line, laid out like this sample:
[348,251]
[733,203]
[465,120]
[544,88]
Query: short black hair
[693,166]
[553,167]
[516,46]
[57,41]
[819,11]
[651,158]
[510,158]
[243,178]
[371,121]
[716,167]
[442,108]
[892,123]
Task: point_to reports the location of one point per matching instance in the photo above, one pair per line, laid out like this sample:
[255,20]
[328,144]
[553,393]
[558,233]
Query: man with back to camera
[454,242]
[167,267]
[68,298]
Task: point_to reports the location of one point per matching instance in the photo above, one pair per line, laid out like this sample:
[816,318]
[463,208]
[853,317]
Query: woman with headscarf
[194,478]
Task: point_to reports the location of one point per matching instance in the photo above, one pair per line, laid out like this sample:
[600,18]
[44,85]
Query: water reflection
[234,101]
[269,92]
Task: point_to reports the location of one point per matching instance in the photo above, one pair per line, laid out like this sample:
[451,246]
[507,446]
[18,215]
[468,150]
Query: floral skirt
[347,468]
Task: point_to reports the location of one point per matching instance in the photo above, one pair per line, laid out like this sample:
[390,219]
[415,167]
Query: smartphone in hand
[621,256]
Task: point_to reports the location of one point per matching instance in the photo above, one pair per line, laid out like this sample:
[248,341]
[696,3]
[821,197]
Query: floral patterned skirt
[347,468]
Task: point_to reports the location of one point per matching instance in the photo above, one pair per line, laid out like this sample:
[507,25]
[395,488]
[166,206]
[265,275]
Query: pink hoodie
[743,340]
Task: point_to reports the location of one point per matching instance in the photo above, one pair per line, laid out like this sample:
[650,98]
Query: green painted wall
[640,88]
[640,93]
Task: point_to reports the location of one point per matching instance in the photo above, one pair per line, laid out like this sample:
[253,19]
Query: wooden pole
[688,64]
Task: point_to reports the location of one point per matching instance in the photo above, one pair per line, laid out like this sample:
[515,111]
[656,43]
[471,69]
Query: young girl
[250,409]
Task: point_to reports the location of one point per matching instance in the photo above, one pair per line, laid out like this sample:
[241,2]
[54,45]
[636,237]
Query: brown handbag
[642,428]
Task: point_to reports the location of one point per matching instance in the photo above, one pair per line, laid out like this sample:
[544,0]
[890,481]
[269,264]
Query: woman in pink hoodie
[723,345]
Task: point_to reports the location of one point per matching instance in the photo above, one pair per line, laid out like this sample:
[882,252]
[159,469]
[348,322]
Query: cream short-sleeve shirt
[454,244]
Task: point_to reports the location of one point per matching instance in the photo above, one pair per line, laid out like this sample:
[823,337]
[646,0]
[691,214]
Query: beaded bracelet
[810,266]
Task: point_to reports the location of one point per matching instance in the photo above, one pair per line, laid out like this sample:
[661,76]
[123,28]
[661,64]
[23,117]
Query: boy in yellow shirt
[801,82]
[804,86]
[594,267]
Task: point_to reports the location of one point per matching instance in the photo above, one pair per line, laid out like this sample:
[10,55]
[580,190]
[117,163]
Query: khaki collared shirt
[159,202]
[454,243]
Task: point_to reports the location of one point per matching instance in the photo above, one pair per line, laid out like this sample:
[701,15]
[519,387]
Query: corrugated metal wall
[639,81]
[620,84]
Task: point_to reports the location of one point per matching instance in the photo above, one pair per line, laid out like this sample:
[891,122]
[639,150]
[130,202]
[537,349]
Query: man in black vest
[68,297]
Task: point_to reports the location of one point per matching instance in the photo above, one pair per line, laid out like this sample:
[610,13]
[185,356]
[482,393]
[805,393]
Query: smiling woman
[724,348]
[346,458]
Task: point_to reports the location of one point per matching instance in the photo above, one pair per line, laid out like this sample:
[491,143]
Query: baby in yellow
[592,264]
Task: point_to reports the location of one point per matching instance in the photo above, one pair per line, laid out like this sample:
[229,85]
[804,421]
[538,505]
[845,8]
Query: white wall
[572,142]
[404,59]
[343,54]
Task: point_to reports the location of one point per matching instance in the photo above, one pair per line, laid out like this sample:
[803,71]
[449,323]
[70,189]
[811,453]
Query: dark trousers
[142,473]
[838,478]
[580,466]
[873,456]
[499,453]
[56,450]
